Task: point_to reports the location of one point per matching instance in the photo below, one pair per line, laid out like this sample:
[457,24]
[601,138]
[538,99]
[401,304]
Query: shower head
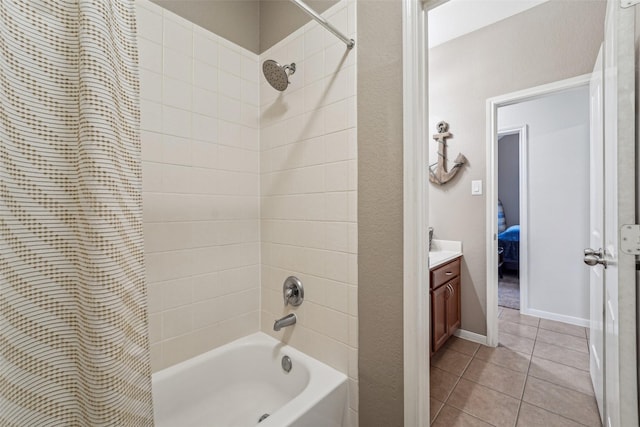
[277,75]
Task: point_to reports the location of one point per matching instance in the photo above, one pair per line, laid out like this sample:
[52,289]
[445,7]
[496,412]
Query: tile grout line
[467,379]
[560,363]
[559,415]
[474,356]
[455,385]
[526,377]
[540,379]
[550,410]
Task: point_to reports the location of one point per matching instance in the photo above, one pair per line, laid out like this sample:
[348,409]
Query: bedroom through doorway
[540,193]
[509,159]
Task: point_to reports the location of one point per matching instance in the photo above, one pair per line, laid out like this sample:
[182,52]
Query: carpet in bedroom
[509,290]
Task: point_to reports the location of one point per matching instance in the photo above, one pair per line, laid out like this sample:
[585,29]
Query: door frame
[491,226]
[523,175]
[416,310]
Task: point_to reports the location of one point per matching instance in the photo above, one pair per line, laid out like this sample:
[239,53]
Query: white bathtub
[234,385]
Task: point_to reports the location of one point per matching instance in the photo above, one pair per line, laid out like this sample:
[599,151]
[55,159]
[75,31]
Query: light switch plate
[476,188]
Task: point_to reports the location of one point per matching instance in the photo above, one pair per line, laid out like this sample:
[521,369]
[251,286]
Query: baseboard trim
[557,317]
[471,336]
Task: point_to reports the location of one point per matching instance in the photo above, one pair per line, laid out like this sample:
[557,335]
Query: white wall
[509,177]
[309,197]
[558,200]
[201,185]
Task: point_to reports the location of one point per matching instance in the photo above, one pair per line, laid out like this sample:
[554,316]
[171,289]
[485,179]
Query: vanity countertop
[443,251]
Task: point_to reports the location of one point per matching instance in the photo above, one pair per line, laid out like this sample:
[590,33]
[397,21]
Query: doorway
[553,196]
[512,177]
[414,104]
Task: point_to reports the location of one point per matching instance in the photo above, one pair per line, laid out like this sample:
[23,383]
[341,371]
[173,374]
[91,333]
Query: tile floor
[537,376]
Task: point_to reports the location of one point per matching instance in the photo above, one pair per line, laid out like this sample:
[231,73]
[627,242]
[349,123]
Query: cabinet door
[439,330]
[453,306]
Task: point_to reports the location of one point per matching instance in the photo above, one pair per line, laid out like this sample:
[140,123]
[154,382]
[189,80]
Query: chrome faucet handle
[289,294]
[292,291]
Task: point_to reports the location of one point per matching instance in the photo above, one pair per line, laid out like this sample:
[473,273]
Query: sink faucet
[287,320]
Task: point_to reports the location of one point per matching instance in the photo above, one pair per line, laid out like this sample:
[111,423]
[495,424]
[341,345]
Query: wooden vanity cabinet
[445,302]
[439,318]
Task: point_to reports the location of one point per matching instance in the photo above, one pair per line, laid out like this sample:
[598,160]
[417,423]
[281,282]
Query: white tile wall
[244,186]
[309,193]
[201,186]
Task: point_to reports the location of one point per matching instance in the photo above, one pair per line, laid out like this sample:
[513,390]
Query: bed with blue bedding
[509,241]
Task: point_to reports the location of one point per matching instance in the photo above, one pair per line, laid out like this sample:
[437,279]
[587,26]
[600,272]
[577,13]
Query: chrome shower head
[277,75]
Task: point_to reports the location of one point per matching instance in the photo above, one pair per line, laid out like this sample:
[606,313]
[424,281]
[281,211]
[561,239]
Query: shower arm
[320,20]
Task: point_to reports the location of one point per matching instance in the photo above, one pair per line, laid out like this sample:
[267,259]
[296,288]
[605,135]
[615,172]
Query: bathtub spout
[287,320]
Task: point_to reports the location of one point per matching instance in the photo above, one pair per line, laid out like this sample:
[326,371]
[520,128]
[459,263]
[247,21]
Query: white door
[596,203]
[621,393]
[620,400]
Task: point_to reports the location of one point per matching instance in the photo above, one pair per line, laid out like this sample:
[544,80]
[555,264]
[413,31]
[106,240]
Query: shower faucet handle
[292,291]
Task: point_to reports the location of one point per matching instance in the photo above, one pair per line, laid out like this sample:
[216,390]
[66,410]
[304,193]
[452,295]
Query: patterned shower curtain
[74,347]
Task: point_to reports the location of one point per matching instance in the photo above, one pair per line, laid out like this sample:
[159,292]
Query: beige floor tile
[576,359]
[451,361]
[563,328]
[441,383]
[516,343]
[506,310]
[462,346]
[563,375]
[434,408]
[488,405]
[532,416]
[562,401]
[505,357]
[515,317]
[563,340]
[517,329]
[496,377]
[451,417]
[556,393]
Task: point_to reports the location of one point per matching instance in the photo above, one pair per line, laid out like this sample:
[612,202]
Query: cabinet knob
[448,273]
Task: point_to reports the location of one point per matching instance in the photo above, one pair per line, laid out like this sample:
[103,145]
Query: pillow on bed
[502,221]
[511,234]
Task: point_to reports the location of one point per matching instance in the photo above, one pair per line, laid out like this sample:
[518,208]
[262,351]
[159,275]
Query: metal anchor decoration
[438,173]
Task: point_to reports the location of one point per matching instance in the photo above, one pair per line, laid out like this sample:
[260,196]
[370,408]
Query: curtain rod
[320,20]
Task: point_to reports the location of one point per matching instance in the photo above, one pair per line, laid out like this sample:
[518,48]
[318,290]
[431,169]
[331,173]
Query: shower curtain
[74,347]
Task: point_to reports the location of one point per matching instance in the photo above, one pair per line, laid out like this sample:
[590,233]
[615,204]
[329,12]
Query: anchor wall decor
[438,173]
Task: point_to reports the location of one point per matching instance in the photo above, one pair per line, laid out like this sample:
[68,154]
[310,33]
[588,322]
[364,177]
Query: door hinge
[630,239]
[628,3]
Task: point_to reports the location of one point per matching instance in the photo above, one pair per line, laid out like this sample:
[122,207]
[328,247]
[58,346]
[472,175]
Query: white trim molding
[558,317]
[492,184]
[471,336]
[416,278]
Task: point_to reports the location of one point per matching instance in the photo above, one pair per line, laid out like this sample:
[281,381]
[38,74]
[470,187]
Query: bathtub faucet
[288,320]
